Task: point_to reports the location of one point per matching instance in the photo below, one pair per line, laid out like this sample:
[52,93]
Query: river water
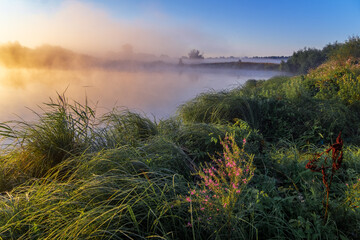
[156,93]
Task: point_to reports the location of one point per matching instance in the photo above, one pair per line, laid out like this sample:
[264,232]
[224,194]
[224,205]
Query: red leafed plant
[326,169]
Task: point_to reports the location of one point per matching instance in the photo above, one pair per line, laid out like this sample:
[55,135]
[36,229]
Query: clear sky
[173,27]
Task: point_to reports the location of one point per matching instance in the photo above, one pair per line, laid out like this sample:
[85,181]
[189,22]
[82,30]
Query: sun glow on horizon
[82,27]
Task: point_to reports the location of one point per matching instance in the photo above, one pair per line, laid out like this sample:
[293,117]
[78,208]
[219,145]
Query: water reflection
[157,93]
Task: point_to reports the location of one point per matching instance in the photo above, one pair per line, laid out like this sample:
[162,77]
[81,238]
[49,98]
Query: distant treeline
[240,65]
[271,57]
[309,58]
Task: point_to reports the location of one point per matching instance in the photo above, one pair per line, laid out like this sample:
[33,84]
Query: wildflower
[244,141]
[189,224]
[222,182]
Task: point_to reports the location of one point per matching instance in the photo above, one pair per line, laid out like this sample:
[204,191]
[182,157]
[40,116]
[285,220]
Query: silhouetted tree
[195,54]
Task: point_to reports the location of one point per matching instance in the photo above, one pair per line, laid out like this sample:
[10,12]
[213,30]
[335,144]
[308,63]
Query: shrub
[350,49]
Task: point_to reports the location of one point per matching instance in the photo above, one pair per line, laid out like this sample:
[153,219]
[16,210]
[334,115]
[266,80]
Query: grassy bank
[232,164]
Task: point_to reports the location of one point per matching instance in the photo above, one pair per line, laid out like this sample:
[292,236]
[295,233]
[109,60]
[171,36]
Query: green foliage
[278,113]
[333,81]
[102,206]
[196,140]
[309,58]
[125,127]
[303,60]
[164,155]
[350,49]
[63,131]
[220,107]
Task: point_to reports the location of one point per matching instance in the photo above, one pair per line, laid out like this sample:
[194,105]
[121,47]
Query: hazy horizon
[173,28]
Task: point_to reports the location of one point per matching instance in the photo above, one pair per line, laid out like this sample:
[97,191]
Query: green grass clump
[62,131]
[125,127]
[113,205]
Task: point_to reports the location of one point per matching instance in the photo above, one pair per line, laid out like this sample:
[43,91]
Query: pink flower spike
[192,192]
[244,141]
[188,199]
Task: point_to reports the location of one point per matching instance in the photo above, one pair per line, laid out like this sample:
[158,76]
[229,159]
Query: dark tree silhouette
[195,54]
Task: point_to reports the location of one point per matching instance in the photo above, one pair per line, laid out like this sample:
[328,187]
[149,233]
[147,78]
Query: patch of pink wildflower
[222,181]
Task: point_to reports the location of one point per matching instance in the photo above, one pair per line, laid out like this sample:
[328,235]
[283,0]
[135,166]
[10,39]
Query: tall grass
[63,130]
[112,204]
[280,108]
[125,127]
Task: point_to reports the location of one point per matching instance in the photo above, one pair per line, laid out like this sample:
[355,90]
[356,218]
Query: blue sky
[173,27]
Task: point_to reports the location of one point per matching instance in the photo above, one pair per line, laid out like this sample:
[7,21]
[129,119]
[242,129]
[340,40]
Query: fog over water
[153,91]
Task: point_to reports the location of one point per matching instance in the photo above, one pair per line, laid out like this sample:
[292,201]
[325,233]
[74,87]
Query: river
[155,93]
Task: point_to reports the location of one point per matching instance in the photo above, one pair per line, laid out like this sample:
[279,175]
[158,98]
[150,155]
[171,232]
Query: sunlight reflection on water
[157,93]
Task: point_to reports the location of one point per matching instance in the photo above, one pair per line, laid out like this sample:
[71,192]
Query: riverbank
[243,163]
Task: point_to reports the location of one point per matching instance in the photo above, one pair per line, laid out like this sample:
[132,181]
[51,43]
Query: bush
[350,49]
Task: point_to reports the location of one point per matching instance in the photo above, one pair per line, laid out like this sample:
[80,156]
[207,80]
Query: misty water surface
[154,92]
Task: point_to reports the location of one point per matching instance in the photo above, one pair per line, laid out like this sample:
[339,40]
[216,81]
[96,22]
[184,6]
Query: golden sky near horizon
[82,27]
